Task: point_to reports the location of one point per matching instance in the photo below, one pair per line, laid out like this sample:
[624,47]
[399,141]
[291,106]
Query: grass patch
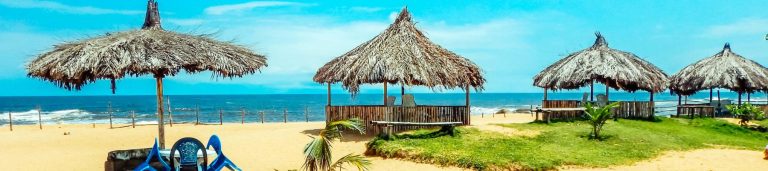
[567,143]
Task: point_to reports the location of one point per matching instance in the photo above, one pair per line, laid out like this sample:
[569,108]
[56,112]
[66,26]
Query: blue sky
[510,40]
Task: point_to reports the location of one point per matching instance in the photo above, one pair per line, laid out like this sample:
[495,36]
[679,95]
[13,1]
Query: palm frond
[318,154]
[355,160]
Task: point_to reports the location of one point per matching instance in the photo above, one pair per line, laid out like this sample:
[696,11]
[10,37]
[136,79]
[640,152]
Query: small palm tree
[597,117]
[318,151]
[746,113]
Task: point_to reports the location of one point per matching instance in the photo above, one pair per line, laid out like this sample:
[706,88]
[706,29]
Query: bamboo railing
[421,113]
[626,109]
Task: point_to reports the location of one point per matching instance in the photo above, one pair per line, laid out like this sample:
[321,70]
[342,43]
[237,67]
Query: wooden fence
[397,114]
[692,110]
[626,109]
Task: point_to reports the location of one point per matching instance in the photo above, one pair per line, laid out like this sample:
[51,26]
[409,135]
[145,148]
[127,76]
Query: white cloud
[366,9]
[55,6]
[222,9]
[747,26]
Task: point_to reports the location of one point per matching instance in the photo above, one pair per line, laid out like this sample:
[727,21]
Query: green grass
[567,143]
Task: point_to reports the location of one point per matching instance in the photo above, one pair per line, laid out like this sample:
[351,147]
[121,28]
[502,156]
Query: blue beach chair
[221,160]
[188,148]
[155,152]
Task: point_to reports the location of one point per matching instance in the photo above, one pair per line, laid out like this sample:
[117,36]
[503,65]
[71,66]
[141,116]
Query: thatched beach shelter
[149,50]
[402,54]
[614,68]
[725,69]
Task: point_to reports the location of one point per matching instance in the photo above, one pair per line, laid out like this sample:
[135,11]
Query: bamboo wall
[397,114]
[626,109]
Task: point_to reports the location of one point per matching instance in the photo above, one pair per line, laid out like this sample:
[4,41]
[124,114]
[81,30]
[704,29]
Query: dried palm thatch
[723,70]
[614,68]
[150,50]
[401,54]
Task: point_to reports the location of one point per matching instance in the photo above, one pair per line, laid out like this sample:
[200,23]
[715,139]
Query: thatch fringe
[150,50]
[401,55]
[725,69]
[617,69]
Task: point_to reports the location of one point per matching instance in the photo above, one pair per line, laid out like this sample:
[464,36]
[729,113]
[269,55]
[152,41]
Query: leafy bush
[597,117]
[746,112]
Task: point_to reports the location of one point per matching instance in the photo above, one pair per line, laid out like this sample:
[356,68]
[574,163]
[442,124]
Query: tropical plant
[318,151]
[746,112]
[598,116]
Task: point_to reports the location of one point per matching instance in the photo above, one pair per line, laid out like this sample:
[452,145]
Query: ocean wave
[49,116]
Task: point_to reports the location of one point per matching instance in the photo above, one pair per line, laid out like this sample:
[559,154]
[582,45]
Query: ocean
[297,107]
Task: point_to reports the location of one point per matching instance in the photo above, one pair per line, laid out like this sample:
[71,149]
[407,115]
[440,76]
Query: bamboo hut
[403,55]
[726,70]
[149,50]
[599,63]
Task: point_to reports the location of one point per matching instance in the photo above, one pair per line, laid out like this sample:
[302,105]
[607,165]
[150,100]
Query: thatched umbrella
[150,50]
[614,68]
[401,55]
[725,69]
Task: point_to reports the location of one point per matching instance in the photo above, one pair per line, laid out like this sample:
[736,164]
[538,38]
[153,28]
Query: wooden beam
[385,93]
[329,94]
[160,123]
[592,91]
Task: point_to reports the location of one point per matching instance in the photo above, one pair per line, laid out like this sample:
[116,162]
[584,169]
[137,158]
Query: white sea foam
[59,116]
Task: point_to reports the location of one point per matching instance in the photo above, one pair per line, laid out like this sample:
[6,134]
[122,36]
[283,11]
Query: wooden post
[545,94]
[10,120]
[285,115]
[402,93]
[466,97]
[606,93]
[242,116]
[592,91]
[262,116]
[679,104]
[221,117]
[306,113]
[160,114]
[651,105]
[109,110]
[170,113]
[719,102]
[740,98]
[710,96]
[749,97]
[686,100]
[385,93]
[39,117]
[133,119]
[197,115]
[329,94]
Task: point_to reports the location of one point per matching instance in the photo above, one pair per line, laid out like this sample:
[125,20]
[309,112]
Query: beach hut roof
[615,68]
[150,50]
[723,70]
[401,54]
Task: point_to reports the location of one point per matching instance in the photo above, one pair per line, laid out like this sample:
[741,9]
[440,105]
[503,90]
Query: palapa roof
[401,55]
[723,70]
[615,68]
[150,50]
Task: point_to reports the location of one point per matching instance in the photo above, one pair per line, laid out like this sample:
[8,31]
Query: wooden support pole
[109,110]
[285,115]
[710,96]
[466,97]
[242,116]
[10,120]
[221,117]
[306,113]
[39,117]
[385,93]
[329,94]
[686,100]
[740,98]
[160,113]
[749,97]
[545,94]
[133,119]
[719,102]
[592,91]
[651,106]
[170,113]
[262,116]
[197,115]
[606,93]
[679,104]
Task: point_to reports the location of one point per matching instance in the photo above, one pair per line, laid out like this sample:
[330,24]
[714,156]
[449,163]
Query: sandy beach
[278,146]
